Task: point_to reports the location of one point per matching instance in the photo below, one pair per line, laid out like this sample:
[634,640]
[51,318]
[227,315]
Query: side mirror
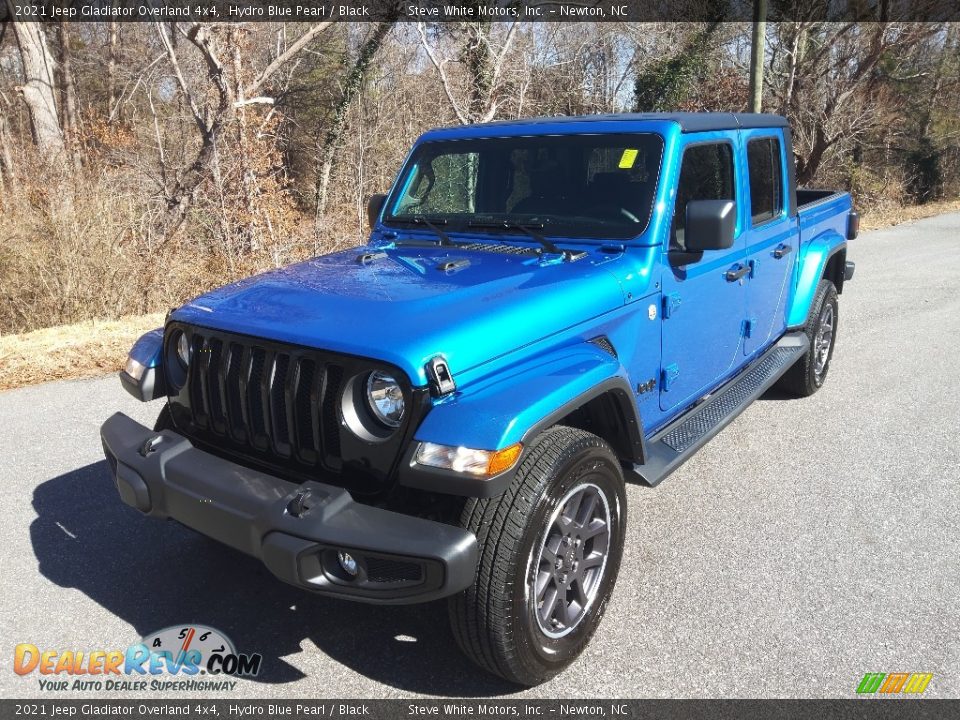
[711,225]
[374,206]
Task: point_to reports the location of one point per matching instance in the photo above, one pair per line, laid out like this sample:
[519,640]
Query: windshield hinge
[439,376]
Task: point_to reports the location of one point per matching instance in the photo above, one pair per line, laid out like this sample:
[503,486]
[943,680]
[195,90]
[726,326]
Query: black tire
[164,420]
[496,622]
[810,372]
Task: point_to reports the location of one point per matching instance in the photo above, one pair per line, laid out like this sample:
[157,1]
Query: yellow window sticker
[628,158]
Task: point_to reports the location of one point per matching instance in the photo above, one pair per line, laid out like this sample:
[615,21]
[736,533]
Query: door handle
[782,250]
[736,272]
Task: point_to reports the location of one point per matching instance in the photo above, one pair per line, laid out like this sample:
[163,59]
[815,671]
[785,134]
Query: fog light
[347,562]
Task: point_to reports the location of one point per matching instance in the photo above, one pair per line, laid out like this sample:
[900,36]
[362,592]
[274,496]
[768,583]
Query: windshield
[589,186]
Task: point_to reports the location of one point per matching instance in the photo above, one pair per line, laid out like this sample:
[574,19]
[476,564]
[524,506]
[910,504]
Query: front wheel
[164,419]
[550,550]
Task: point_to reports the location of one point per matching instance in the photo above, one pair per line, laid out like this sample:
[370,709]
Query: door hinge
[671,303]
[749,327]
[754,264]
[668,376]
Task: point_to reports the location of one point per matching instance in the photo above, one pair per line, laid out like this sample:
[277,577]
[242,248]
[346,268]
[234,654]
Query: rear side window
[706,174]
[766,186]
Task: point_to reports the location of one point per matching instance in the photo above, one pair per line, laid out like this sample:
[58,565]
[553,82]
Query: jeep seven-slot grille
[279,403]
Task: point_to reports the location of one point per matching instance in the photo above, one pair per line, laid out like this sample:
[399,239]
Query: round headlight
[183,349]
[385,397]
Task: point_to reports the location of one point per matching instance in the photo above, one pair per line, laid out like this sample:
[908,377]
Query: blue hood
[403,309]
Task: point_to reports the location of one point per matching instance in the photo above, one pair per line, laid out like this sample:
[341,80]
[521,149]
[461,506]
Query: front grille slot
[256,386]
[278,404]
[330,423]
[274,402]
[306,418]
[231,390]
[215,389]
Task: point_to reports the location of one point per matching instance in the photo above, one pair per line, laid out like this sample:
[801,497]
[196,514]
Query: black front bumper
[297,530]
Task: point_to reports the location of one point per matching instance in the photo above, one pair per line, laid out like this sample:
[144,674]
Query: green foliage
[926,182]
[668,83]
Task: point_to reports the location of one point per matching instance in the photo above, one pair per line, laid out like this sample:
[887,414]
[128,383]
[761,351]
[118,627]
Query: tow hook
[150,445]
[300,503]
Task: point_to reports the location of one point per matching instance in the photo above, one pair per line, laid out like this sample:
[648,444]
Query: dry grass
[88,348]
[95,347]
[876,219]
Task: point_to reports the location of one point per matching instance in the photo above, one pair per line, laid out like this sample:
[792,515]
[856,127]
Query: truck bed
[812,196]
[822,211]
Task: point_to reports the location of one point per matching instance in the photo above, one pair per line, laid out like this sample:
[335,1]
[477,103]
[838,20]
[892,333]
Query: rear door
[771,239]
[703,308]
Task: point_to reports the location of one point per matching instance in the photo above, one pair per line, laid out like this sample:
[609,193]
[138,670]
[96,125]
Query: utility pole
[757,47]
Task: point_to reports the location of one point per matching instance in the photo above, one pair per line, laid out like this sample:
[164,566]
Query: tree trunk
[757,48]
[38,90]
[68,94]
[112,69]
[6,160]
[479,61]
[797,46]
[807,167]
[351,87]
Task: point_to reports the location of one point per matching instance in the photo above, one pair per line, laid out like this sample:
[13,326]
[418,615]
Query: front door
[704,296]
[771,238]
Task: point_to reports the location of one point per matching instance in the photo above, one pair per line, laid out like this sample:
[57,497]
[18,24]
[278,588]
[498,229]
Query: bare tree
[210,117]
[834,72]
[112,42]
[6,159]
[38,89]
[68,94]
[484,64]
[351,87]
[757,48]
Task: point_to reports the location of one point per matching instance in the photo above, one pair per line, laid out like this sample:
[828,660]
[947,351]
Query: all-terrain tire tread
[480,617]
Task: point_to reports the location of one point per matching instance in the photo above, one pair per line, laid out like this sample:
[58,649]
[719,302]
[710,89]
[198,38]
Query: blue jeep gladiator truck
[545,310]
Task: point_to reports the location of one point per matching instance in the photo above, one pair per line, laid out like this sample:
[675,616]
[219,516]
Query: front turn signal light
[483,463]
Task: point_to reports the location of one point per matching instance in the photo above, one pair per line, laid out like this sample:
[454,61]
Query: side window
[705,174]
[766,185]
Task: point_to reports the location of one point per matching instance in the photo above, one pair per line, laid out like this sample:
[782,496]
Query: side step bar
[669,448]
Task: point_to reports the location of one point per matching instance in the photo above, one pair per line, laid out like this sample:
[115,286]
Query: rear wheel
[550,550]
[810,372]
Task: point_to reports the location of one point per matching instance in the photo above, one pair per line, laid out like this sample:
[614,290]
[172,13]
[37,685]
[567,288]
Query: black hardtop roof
[688,121]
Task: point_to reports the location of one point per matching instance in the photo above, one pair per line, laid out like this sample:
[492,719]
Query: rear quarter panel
[823,232]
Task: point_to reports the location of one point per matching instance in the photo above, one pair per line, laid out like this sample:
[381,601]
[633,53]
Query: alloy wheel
[823,341]
[566,578]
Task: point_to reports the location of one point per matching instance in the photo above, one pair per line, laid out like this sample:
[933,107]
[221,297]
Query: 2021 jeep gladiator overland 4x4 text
[545,310]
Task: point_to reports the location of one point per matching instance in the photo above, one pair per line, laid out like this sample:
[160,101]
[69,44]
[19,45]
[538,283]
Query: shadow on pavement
[154,574]
[776,393]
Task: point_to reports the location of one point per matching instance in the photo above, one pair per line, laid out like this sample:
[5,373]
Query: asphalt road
[810,542]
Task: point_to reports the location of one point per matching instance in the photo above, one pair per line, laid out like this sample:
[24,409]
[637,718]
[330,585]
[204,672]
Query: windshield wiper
[527,229]
[431,223]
